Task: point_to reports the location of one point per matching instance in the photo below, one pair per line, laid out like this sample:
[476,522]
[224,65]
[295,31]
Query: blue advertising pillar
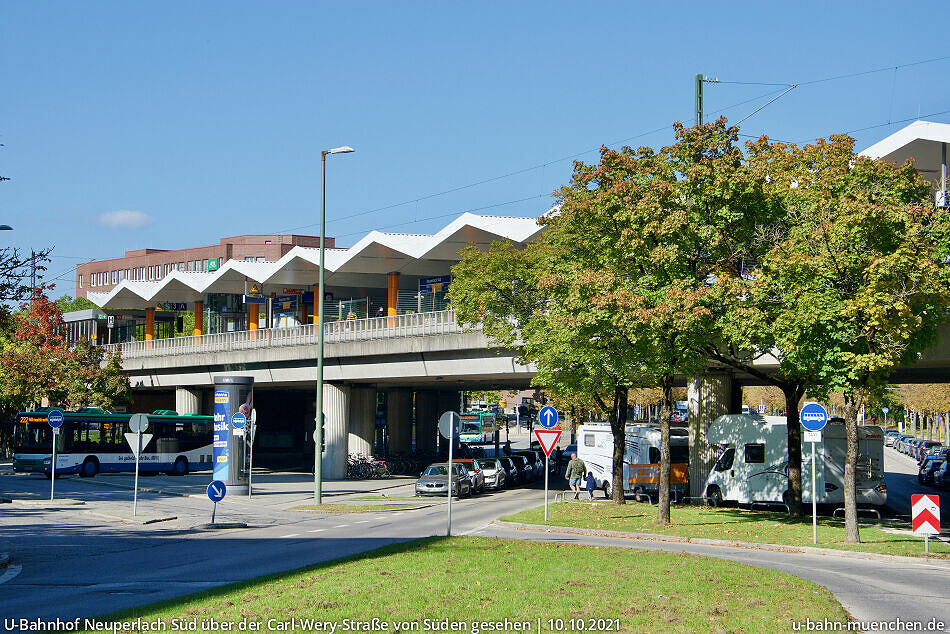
[232,394]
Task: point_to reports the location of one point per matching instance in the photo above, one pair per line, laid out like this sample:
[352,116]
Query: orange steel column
[392,297]
[149,326]
[253,313]
[199,320]
[316,303]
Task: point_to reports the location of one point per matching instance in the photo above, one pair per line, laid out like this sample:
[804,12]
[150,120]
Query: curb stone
[724,543]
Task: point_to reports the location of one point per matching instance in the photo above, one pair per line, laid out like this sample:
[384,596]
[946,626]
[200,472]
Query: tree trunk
[618,427]
[793,394]
[666,410]
[852,402]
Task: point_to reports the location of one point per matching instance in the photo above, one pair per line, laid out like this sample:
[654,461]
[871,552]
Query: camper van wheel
[714,495]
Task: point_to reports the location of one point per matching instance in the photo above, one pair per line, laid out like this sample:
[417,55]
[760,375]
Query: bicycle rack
[875,512]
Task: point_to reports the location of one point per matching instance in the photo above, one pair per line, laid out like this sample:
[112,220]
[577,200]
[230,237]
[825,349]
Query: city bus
[92,441]
[479,427]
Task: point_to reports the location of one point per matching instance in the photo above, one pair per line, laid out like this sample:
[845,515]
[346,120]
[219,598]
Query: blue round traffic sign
[238,420]
[55,418]
[814,417]
[216,491]
[547,417]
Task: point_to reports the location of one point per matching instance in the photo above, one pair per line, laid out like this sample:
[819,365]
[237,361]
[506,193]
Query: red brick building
[155,264]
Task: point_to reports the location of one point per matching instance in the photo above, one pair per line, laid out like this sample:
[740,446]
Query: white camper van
[641,468]
[753,465]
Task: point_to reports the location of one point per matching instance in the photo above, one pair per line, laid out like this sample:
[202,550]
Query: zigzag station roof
[364,265]
[921,141]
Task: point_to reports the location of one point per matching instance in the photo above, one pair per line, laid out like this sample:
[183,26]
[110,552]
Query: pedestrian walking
[575,473]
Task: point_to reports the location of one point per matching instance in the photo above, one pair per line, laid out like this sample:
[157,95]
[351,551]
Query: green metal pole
[699,99]
[318,426]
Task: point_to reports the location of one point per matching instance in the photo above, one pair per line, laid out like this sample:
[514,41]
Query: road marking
[291,535]
[317,530]
[341,526]
[362,521]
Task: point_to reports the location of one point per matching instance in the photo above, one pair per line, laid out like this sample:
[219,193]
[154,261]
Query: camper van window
[754,454]
[588,440]
[725,460]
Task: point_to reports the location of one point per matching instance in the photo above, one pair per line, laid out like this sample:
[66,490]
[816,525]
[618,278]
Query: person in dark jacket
[591,484]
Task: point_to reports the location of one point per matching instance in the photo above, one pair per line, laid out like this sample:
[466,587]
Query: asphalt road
[901,477]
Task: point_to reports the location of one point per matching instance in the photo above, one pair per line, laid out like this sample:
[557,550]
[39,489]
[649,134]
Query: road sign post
[885,410]
[251,430]
[55,418]
[138,423]
[547,438]
[216,492]
[925,517]
[449,428]
[813,417]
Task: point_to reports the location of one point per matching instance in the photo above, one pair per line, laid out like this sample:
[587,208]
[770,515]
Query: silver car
[435,480]
[494,471]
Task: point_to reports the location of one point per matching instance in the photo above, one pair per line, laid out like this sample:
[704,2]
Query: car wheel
[714,495]
[90,467]
[181,466]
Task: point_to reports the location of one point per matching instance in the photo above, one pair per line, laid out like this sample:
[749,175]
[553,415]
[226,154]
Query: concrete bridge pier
[427,421]
[336,406]
[187,401]
[362,429]
[399,420]
[710,395]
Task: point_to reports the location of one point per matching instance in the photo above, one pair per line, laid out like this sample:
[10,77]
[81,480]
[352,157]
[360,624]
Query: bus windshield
[33,435]
[470,428]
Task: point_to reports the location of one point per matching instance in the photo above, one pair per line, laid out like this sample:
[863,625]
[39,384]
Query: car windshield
[436,470]
[486,464]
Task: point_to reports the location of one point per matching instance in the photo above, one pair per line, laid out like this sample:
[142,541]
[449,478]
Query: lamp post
[318,304]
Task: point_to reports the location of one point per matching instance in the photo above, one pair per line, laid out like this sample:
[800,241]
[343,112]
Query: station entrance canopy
[368,264]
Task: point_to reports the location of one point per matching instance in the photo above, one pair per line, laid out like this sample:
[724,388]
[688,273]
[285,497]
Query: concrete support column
[253,314]
[427,421]
[336,407]
[710,396]
[199,319]
[187,401]
[399,421]
[362,430]
[149,324]
[392,296]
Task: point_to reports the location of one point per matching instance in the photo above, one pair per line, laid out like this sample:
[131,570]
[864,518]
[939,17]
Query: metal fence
[398,326]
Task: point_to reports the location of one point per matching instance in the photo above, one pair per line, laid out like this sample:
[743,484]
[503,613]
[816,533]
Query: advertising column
[232,394]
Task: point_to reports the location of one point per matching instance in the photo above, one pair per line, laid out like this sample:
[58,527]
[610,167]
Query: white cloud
[125,219]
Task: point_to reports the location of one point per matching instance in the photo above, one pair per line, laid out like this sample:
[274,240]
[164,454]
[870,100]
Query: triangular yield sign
[133,441]
[547,438]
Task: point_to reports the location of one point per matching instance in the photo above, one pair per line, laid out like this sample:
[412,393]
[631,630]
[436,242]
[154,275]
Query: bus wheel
[181,466]
[90,467]
[714,495]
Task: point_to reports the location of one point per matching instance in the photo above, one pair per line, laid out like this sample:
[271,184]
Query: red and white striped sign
[925,514]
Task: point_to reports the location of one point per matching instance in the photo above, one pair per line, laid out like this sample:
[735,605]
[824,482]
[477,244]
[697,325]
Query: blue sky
[203,120]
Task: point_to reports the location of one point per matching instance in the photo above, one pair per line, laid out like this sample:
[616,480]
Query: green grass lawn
[732,524]
[353,508]
[467,579]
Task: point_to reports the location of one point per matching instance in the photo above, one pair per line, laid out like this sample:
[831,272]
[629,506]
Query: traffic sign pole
[547,469]
[814,499]
[448,526]
[250,452]
[52,466]
[813,418]
[448,427]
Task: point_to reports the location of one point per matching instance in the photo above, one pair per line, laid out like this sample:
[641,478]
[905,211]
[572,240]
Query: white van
[753,465]
[641,468]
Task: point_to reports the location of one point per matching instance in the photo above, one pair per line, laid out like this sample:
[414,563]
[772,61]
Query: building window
[80,281]
[268,242]
[249,258]
[191,266]
[115,277]
[261,258]
[198,265]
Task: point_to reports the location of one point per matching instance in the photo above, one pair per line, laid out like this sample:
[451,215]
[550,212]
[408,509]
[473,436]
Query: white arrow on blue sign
[814,417]
[238,420]
[216,491]
[55,418]
[547,417]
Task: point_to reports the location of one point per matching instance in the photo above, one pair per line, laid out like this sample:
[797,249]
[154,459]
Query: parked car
[495,474]
[925,475]
[475,474]
[522,464]
[513,477]
[566,455]
[435,480]
[941,475]
[891,437]
[924,447]
[535,459]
